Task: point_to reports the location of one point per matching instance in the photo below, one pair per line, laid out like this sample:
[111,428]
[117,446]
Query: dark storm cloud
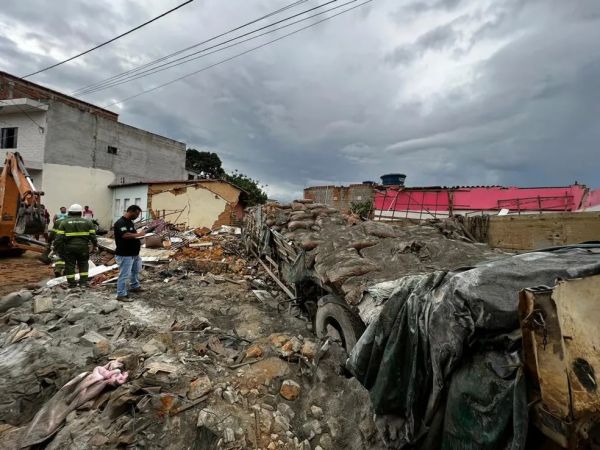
[424,6]
[439,38]
[449,92]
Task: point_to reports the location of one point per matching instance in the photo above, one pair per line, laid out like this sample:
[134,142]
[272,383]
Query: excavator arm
[21,210]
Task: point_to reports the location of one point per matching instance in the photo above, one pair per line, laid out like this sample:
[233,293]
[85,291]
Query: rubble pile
[346,255]
[202,250]
[204,359]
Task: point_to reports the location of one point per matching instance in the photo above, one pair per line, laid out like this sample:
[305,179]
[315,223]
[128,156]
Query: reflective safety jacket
[75,232]
[53,232]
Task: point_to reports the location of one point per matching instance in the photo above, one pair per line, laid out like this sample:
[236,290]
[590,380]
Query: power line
[40,128]
[189,48]
[188,58]
[108,42]
[234,56]
[151,63]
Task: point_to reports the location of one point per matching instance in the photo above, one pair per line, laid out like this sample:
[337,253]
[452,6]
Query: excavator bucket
[30,220]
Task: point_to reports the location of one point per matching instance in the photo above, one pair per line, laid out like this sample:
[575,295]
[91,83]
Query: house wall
[70,160]
[195,206]
[120,194]
[225,190]
[592,201]
[340,197]
[13,87]
[30,141]
[425,203]
[64,185]
[77,138]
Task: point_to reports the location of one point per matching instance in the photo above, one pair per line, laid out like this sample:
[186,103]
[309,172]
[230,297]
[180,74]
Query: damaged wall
[201,203]
[340,197]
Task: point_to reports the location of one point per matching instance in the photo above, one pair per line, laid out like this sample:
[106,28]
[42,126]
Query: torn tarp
[441,361]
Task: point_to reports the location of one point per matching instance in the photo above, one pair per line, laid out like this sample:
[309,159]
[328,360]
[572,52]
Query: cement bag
[300,224]
[154,241]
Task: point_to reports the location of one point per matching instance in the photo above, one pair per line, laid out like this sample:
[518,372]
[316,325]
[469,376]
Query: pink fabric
[81,389]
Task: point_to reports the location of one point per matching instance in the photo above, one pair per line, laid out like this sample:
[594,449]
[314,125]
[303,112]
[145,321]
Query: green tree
[211,164]
[256,194]
[206,162]
[362,209]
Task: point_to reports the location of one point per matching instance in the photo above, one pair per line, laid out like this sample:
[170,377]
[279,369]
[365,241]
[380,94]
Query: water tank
[393,179]
[369,183]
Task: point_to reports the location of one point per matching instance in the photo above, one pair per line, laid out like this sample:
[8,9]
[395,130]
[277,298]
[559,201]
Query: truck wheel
[335,321]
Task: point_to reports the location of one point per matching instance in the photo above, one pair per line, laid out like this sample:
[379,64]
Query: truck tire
[334,316]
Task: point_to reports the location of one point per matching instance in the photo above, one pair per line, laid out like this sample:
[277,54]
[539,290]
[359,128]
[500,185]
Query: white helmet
[75,208]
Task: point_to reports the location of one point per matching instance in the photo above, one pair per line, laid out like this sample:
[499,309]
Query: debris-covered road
[212,361]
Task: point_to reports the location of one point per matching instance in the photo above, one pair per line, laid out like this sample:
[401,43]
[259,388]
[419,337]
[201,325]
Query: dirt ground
[22,271]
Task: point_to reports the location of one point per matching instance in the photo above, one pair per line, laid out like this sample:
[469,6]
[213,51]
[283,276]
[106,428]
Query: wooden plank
[277,280]
[268,258]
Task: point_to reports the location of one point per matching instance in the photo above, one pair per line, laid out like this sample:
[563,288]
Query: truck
[459,345]
[21,210]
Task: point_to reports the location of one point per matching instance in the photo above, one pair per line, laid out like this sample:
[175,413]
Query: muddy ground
[22,271]
[210,365]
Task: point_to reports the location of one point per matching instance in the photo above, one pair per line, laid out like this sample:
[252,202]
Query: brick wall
[340,197]
[13,87]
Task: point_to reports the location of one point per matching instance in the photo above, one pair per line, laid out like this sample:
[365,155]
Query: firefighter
[73,238]
[59,264]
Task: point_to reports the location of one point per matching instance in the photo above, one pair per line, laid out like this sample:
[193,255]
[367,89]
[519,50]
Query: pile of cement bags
[347,255]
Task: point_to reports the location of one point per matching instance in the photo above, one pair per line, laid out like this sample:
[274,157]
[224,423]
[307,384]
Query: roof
[438,188]
[187,182]
[58,94]
[244,195]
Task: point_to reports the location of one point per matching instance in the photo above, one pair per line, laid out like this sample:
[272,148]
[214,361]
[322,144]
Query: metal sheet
[542,334]
[578,303]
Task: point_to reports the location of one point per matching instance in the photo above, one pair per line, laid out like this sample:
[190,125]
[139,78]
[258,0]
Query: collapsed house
[190,204]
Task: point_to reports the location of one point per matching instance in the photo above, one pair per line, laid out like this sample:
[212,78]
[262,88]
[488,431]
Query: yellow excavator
[22,214]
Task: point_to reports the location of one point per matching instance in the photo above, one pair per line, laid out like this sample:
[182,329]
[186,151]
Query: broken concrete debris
[14,300]
[206,359]
[153,347]
[290,390]
[199,387]
[76,314]
[42,304]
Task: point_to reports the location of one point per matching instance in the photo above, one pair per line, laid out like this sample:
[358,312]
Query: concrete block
[42,304]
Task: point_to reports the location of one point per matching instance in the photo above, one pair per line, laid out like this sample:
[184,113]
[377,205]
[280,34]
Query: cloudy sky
[447,91]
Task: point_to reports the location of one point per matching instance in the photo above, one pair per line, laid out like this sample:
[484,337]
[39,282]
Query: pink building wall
[592,201]
[491,198]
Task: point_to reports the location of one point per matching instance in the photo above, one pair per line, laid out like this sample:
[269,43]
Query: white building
[74,150]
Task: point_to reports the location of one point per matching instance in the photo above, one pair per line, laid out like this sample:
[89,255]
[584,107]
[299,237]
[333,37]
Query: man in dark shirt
[127,254]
